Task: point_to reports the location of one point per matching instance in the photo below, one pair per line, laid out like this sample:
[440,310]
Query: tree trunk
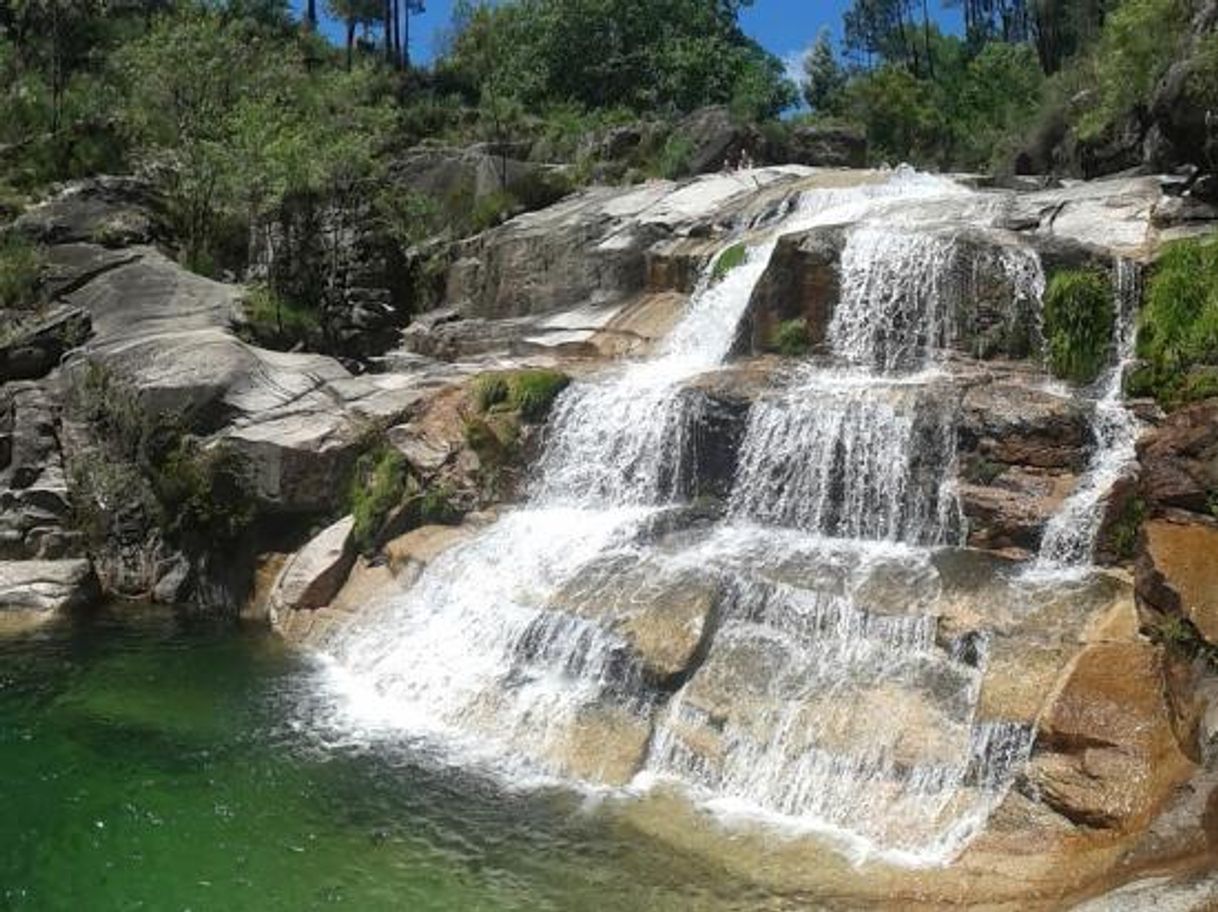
[350,41]
[930,61]
[388,11]
[311,16]
[397,34]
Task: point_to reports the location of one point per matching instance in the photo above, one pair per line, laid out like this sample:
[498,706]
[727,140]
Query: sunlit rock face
[827,593]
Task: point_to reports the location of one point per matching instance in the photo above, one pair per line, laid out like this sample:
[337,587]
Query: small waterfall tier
[794,652]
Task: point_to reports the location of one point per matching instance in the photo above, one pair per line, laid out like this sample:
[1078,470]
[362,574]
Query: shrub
[276,318]
[1078,324]
[205,492]
[490,390]
[1179,636]
[1178,326]
[728,260]
[676,157]
[21,266]
[379,484]
[1124,533]
[436,506]
[791,338]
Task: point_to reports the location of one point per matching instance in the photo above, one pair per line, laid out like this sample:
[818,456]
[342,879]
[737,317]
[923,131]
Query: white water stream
[823,698]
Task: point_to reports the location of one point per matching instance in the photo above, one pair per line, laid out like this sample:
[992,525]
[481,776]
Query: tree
[353,14]
[823,77]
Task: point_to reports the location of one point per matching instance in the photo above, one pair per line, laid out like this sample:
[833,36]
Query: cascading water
[1070,536]
[824,621]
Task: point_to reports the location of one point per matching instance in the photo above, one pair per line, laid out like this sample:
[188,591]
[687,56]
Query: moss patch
[1178,326]
[791,338]
[531,393]
[379,484]
[728,260]
[1078,324]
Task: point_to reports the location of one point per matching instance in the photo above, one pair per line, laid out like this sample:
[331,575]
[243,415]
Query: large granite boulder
[1179,460]
[1177,571]
[312,576]
[45,586]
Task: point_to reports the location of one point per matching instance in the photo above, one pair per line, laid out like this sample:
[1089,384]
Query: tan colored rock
[1178,572]
[663,617]
[313,575]
[266,573]
[1108,754]
[605,745]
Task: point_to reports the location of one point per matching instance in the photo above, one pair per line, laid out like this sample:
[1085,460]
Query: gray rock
[313,575]
[45,585]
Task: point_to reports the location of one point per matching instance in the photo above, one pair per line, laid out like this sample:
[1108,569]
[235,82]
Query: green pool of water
[152,762]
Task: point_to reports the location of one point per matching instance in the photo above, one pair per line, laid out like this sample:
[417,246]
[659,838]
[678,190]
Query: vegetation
[529,393]
[1178,326]
[728,260]
[197,493]
[379,485]
[1123,536]
[1078,315]
[1182,638]
[791,338]
[21,269]
[277,321]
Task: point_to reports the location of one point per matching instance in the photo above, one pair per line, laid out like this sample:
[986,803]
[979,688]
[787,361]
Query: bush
[1078,321]
[21,268]
[205,492]
[791,338]
[675,157]
[490,390]
[1178,326]
[1124,533]
[279,320]
[378,486]
[728,260]
[436,506]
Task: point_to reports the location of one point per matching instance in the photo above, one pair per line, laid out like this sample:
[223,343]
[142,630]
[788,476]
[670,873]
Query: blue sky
[785,27]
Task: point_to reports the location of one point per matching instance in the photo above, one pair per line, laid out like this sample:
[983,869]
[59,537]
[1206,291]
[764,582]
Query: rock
[1179,460]
[1018,424]
[33,349]
[664,618]
[985,288]
[1177,572]
[45,585]
[1011,513]
[173,581]
[106,210]
[802,281]
[313,575]
[1107,753]
[824,147]
[715,140]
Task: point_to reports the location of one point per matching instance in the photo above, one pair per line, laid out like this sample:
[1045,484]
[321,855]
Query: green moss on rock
[1078,324]
[728,260]
[791,338]
[1178,326]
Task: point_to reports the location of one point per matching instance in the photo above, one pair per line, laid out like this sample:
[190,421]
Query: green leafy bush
[379,484]
[436,506]
[728,260]
[1178,325]
[791,338]
[1078,322]
[21,268]
[1123,535]
[675,157]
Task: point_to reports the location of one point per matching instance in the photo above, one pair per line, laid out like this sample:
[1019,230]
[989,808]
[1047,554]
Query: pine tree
[823,77]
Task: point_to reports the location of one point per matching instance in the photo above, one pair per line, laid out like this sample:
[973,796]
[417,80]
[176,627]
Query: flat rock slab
[1178,572]
[45,585]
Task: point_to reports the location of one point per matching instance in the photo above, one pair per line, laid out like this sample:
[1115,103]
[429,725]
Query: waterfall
[850,457]
[1070,536]
[823,619]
